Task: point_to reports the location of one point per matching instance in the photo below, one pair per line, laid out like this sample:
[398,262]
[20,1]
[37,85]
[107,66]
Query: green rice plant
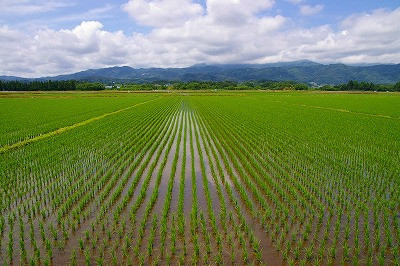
[53,232]
[245,254]
[47,261]
[332,252]
[233,256]
[73,258]
[87,255]
[31,231]
[125,251]
[2,225]
[32,261]
[169,257]
[181,260]
[264,158]
[136,250]
[114,260]
[196,246]
[218,258]
[81,244]
[42,232]
[10,246]
[150,244]
[94,241]
[309,252]
[346,252]
[381,257]
[141,260]
[291,262]
[206,259]
[296,252]
[49,249]
[100,261]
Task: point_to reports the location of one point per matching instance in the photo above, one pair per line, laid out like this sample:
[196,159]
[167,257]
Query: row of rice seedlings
[256,168]
[268,190]
[259,197]
[127,170]
[306,233]
[318,219]
[121,230]
[346,255]
[38,186]
[215,232]
[146,182]
[153,143]
[129,149]
[64,234]
[205,181]
[242,221]
[143,146]
[154,195]
[181,218]
[194,216]
[75,203]
[223,208]
[104,183]
[222,202]
[167,203]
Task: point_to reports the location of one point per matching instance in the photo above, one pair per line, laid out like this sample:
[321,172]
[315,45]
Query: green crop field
[271,178]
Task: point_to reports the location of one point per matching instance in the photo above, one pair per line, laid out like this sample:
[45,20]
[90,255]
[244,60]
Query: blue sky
[49,37]
[111,15]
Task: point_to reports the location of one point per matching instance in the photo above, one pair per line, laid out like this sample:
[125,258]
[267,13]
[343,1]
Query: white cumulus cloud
[364,38]
[234,12]
[308,10]
[160,13]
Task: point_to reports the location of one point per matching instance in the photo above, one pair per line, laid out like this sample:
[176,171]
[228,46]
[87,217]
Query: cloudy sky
[50,37]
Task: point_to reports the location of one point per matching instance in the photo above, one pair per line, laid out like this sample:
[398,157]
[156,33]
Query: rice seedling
[254,173]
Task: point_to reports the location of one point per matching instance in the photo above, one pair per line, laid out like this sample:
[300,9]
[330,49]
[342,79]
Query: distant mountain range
[301,71]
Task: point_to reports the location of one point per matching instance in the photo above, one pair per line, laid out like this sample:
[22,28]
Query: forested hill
[299,71]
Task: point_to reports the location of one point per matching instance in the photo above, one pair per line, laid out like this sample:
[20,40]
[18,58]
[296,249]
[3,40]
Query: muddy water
[187,206]
[166,174]
[134,176]
[165,154]
[210,180]
[162,151]
[163,186]
[176,184]
[208,141]
[269,253]
[86,225]
[202,202]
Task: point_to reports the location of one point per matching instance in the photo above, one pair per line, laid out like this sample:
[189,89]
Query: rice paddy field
[180,178]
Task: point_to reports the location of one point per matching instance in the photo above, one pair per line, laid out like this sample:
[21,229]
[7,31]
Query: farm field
[270,178]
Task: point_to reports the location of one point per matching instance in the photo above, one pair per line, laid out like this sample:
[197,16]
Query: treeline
[362,86]
[73,85]
[67,85]
[262,85]
[218,85]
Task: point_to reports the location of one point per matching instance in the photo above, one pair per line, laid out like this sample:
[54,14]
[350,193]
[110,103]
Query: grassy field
[245,177]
